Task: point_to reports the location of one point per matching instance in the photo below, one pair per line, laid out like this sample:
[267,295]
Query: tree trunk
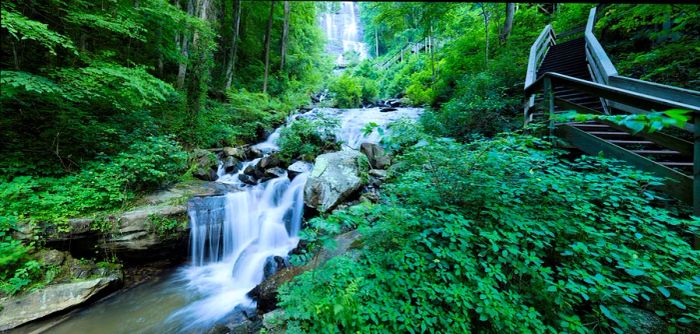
[432,53]
[267,46]
[376,43]
[487,18]
[285,34]
[234,43]
[184,50]
[508,23]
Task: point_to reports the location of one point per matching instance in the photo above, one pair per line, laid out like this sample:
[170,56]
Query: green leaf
[635,272]
[664,291]
[677,303]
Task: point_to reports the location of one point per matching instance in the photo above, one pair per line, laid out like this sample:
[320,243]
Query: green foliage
[163,226]
[306,138]
[461,243]
[101,185]
[21,27]
[347,91]
[650,122]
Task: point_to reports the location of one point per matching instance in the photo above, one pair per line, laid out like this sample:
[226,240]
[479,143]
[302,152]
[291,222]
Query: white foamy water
[344,32]
[232,236]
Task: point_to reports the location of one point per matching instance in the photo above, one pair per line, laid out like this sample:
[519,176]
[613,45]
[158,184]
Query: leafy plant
[305,138]
[461,243]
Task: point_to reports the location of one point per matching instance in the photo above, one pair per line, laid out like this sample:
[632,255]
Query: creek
[231,238]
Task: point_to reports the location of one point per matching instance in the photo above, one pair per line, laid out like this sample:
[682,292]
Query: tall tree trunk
[508,23]
[184,50]
[487,19]
[234,43]
[432,53]
[376,43]
[267,45]
[285,34]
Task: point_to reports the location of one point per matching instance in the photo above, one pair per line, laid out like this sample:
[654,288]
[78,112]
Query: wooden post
[696,175]
[549,103]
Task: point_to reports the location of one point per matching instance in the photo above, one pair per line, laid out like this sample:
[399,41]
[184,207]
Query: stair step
[663,152]
[676,164]
[630,142]
[609,133]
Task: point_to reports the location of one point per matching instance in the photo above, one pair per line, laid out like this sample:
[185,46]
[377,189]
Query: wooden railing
[412,47]
[621,94]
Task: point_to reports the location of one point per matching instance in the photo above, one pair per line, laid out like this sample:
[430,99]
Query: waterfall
[344,33]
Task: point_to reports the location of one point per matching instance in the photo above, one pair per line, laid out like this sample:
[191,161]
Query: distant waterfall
[344,32]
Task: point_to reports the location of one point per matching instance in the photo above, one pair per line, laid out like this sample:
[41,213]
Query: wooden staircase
[578,75]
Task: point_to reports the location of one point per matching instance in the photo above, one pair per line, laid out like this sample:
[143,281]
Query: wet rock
[18,310]
[234,152]
[274,264]
[273,321]
[252,152]
[269,161]
[371,197]
[335,177]
[253,171]
[378,159]
[388,109]
[642,321]
[273,173]
[248,179]
[297,168]
[51,257]
[265,294]
[378,173]
[205,165]
[230,164]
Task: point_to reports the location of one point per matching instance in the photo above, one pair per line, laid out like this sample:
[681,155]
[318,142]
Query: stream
[231,237]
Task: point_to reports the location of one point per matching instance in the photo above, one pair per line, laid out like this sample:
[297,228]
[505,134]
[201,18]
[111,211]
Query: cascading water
[231,237]
[343,32]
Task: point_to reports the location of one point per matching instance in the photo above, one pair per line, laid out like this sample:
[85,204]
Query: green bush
[503,235]
[347,91]
[306,138]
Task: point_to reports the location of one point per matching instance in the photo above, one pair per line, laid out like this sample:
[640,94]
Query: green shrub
[503,235]
[347,91]
[306,138]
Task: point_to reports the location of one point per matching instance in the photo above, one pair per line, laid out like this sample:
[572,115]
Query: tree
[234,43]
[285,34]
[267,46]
[508,23]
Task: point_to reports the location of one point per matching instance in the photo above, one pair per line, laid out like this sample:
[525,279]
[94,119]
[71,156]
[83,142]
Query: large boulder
[378,159]
[335,177]
[205,165]
[234,152]
[297,168]
[18,310]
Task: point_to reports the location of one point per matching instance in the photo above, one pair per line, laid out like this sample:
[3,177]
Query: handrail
[603,68]
[534,54]
[631,98]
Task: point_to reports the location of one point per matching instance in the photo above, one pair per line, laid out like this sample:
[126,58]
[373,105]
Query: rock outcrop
[54,298]
[335,177]
[297,168]
[378,159]
[205,165]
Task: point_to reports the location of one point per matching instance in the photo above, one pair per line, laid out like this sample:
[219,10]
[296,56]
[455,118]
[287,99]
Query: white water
[231,237]
[344,33]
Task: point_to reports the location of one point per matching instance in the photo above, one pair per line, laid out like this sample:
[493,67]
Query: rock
[252,170]
[273,173]
[274,264]
[269,161]
[273,321]
[265,294]
[231,164]
[51,257]
[297,168]
[378,173]
[248,179]
[54,298]
[205,163]
[335,177]
[642,321]
[387,109]
[235,152]
[369,197]
[252,152]
[378,159]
